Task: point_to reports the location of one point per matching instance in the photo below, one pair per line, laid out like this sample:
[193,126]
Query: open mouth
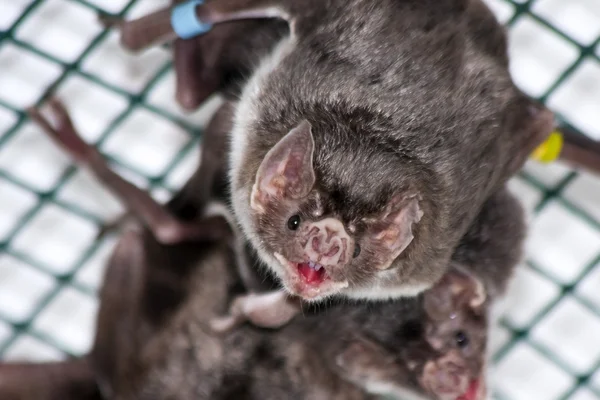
[472,392]
[309,279]
[312,273]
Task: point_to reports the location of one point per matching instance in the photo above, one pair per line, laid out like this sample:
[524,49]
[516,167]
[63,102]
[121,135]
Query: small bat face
[434,346]
[306,146]
[318,251]
[457,330]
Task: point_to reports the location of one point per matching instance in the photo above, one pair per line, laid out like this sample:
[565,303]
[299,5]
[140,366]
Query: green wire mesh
[135,101]
[580,385]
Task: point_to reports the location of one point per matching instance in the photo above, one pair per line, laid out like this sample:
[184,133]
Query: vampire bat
[158,302]
[233,48]
[452,319]
[335,171]
[367,141]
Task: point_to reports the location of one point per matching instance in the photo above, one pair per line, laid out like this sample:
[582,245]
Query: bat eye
[293,223]
[461,339]
[356,251]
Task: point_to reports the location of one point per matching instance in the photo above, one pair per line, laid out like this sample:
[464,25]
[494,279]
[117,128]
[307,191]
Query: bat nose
[324,250]
[327,242]
[448,379]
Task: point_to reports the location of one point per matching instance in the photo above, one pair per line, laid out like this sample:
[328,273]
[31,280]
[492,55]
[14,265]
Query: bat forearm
[580,151]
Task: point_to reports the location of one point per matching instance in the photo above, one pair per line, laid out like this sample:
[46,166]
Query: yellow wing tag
[550,149]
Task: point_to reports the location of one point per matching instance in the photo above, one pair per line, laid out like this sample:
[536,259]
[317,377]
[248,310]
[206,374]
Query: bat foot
[114,226]
[61,130]
[109,21]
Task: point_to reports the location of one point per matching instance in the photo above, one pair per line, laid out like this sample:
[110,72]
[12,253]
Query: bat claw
[109,21]
[267,310]
[188,99]
[114,225]
[224,324]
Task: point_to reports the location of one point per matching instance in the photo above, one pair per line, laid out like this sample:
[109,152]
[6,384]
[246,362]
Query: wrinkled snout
[449,381]
[448,378]
[327,243]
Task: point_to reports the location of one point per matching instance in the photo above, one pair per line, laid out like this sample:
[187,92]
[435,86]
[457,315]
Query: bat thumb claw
[224,324]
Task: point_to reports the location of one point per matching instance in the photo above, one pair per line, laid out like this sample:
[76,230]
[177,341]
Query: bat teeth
[315,265]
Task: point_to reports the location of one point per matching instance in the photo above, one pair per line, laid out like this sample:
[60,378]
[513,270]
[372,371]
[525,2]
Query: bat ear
[455,290]
[393,231]
[287,171]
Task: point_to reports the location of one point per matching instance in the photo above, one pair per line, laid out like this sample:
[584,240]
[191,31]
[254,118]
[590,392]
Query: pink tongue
[471,391]
[310,275]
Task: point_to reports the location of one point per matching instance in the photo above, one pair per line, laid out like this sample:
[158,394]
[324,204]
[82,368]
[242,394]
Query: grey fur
[418,91]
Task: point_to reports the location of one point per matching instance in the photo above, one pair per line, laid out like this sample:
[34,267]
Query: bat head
[457,329]
[317,247]
[432,345]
